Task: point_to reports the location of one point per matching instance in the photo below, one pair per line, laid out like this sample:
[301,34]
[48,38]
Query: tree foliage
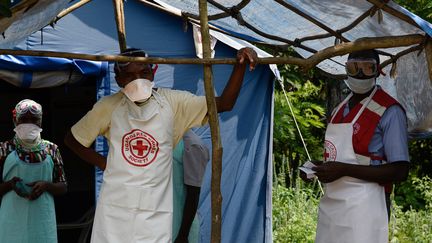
[5,6]
[300,95]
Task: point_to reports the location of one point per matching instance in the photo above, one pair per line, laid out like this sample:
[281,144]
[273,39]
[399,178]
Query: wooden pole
[363,44]
[120,21]
[70,9]
[428,49]
[340,49]
[216,197]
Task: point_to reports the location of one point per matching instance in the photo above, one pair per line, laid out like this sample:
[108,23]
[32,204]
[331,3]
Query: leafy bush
[414,225]
[295,213]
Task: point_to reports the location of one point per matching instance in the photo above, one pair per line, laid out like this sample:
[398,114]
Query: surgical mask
[360,86]
[138,90]
[28,132]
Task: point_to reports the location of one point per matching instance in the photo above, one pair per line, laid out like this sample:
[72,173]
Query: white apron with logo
[351,210]
[135,202]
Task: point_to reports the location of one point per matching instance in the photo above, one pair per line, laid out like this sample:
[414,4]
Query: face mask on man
[28,132]
[138,90]
[360,86]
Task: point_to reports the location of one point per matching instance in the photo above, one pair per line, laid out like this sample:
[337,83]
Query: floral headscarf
[27,106]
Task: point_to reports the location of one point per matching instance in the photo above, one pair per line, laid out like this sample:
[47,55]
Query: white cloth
[351,210]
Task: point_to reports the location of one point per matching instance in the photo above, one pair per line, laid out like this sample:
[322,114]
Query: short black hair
[134,52]
[370,53]
[131,52]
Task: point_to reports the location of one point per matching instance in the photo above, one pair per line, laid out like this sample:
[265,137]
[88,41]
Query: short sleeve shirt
[195,158]
[189,111]
[390,138]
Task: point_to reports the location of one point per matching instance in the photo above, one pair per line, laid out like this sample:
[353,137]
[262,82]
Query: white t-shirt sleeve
[96,122]
[189,111]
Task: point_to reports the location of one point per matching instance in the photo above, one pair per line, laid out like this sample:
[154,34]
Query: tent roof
[299,23]
[312,26]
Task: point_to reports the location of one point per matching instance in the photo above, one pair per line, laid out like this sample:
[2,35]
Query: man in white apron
[142,125]
[365,148]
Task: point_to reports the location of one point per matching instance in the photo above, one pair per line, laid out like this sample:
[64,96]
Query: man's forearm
[57,188]
[392,172]
[86,154]
[5,187]
[231,91]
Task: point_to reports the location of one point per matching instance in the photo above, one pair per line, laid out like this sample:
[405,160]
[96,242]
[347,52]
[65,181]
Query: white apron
[351,210]
[135,202]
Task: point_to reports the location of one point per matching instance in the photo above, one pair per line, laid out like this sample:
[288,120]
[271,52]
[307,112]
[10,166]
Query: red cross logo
[139,148]
[330,151]
[326,155]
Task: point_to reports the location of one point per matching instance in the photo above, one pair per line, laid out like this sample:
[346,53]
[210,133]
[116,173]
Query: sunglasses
[368,67]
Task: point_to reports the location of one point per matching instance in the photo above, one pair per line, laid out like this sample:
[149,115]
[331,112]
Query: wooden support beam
[428,49]
[216,196]
[120,21]
[383,5]
[338,50]
[363,44]
[70,10]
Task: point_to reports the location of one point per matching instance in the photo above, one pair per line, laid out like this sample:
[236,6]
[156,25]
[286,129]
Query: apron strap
[364,105]
[157,97]
[340,106]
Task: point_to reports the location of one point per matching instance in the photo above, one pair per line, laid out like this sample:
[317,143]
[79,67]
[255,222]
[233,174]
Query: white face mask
[28,132]
[360,86]
[138,90]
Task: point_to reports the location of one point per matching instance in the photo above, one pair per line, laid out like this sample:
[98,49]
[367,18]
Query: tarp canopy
[311,26]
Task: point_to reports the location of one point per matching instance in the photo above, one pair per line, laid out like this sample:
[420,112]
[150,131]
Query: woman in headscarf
[32,173]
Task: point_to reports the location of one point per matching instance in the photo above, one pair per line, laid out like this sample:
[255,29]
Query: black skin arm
[226,101]
[89,155]
[189,211]
[385,173]
[8,186]
[39,187]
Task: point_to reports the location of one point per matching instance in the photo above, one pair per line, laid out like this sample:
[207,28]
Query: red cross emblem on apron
[139,148]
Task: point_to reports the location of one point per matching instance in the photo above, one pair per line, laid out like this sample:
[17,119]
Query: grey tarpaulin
[411,86]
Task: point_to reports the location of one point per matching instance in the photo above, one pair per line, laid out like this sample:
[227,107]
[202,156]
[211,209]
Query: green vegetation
[295,203]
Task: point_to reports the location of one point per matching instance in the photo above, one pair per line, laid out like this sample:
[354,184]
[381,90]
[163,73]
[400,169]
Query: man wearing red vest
[365,148]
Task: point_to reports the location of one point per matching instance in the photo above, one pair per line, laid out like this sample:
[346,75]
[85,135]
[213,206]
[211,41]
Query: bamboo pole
[363,44]
[216,197]
[428,49]
[70,10]
[340,49]
[383,5]
[120,22]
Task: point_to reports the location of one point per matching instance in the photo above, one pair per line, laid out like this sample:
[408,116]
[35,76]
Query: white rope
[298,128]
[295,120]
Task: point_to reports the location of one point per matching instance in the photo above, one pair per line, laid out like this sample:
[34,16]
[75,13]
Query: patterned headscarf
[27,106]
